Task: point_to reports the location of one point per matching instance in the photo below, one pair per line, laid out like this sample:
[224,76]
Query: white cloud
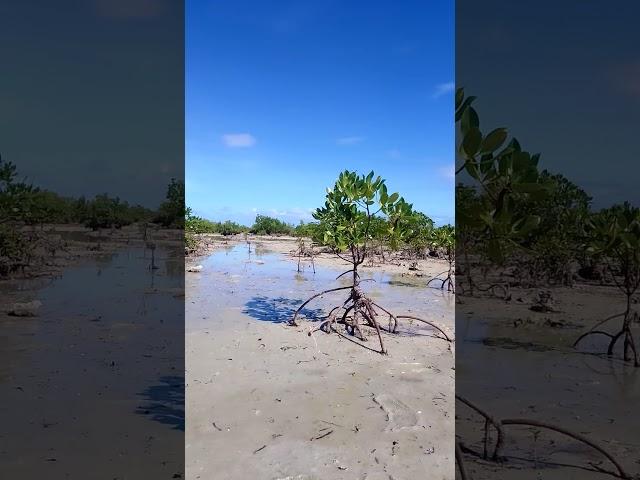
[238,140]
[443,89]
[349,140]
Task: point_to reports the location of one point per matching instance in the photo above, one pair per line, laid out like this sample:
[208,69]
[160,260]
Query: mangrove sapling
[444,239]
[303,251]
[346,219]
[616,234]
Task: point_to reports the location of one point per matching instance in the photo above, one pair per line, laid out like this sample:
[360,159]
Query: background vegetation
[25,210]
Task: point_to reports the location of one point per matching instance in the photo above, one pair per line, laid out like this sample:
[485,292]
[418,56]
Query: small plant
[303,251]
[346,220]
[615,233]
[265,225]
[444,238]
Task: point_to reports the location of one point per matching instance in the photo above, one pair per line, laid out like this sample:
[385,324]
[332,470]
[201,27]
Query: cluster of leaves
[614,233]
[22,204]
[312,230]
[421,237]
[505,176]
[196,225]
[444,238]
[172,211]
[106,212]
[359,207]
[510,213]
[265,225]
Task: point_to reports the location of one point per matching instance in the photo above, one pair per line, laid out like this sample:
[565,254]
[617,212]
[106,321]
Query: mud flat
[393,264]
[518,363]
[92,385]
[266,400]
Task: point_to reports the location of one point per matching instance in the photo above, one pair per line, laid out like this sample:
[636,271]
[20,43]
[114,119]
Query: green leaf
[459,97]
[469,120]
[493,140]
[393,197]
[460,111]
[471,142]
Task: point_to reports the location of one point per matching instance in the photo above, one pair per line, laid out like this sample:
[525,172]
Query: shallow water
[267,286]
[533,372]
[97,370]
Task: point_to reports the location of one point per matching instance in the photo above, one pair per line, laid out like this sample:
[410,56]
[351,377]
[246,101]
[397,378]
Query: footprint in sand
[399,415]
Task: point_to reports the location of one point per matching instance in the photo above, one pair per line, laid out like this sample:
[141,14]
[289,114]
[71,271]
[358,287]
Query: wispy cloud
[349,140]
[238,140]
[443,89]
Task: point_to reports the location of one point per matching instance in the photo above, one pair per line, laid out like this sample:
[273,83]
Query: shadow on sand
[278,310]
[165,402]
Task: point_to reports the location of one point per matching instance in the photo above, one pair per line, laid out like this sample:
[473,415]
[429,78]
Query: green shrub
[271,226]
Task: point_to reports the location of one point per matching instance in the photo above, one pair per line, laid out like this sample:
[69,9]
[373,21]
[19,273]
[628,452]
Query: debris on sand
[29,309]
[399,415]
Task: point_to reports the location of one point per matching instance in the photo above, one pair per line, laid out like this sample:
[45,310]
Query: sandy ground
[92,386]
[518,363]
[265,400]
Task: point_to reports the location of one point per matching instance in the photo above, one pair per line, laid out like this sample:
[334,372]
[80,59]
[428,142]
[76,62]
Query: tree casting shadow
[278,310]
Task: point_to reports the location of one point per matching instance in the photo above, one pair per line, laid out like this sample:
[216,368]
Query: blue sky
[281,96]
[571,93]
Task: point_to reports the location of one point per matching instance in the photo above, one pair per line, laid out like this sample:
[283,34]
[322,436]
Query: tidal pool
[94,383]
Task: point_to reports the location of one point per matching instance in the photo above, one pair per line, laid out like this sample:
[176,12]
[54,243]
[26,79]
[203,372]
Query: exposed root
[295,315]
[448,281]
[460,462]
[625,332]
[499,290]
[446,337]
[357,311]
[499,425]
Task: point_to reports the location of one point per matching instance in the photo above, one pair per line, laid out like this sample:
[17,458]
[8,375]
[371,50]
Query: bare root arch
[499,426]
[359,311]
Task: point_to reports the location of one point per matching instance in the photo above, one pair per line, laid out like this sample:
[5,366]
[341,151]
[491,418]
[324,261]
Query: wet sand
[92,386]
[517,363]
[393,263]
[266,400]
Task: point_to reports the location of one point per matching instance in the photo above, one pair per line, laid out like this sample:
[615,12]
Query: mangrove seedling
[346,221]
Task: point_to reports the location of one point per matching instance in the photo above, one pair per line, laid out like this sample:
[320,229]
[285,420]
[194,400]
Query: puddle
[266,286]
[534,373]
[98,355]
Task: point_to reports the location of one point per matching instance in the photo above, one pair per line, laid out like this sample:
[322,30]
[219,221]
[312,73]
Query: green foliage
[359,207]
[172,212]
[23,205]
[106,212]
[422,231]
[444,238]
[505,175]
[311,230]
[196,225]
[615,234]
[265,225]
